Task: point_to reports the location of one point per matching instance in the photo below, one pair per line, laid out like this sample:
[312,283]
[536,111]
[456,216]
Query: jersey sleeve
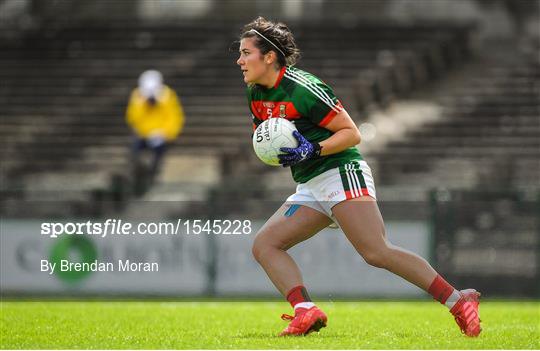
[319,103]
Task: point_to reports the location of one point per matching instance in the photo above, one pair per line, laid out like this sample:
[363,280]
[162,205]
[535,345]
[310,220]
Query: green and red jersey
[310,104]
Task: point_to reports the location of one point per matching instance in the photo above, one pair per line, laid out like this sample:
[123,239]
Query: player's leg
[290,225]
[352,190]
[286,228]
[363,225]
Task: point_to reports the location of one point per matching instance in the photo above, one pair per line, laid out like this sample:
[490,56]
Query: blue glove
[304,151]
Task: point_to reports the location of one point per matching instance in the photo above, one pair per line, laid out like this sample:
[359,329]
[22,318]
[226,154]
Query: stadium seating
[487,137]
[65,89]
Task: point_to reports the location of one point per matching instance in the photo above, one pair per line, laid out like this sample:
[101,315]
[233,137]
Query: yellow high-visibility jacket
[166,117]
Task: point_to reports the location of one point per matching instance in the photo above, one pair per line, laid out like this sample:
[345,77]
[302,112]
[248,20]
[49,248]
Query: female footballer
[335,184]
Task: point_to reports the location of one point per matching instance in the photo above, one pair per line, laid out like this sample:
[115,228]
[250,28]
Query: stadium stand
[487,136]
[65,96]
[65,90]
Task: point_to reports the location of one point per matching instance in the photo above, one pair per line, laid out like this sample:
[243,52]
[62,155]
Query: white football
[271,135]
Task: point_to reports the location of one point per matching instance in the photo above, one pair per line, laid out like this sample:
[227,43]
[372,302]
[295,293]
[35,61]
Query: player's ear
[270,57]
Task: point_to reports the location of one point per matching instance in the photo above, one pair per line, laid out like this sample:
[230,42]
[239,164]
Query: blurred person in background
[156,117]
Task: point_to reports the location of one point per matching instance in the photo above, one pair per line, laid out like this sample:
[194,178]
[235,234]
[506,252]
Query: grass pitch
[254,325]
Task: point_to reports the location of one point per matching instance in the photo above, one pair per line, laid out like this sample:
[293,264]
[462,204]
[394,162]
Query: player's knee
[258,252]
[260,249]
[375,258]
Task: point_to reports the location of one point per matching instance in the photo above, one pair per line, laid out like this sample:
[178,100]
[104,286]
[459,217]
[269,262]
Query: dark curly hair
[279,34]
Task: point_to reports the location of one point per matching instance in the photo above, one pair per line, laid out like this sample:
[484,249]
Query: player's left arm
[346,134]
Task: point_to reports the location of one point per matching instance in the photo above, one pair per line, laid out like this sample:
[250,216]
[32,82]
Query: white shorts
[328,189]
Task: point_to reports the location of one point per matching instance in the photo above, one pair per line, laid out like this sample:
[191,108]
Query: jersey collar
[280,77]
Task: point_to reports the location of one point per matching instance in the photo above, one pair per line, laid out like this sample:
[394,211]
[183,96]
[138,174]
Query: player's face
[251,62]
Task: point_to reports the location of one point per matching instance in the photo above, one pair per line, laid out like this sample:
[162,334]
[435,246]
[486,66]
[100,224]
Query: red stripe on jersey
[365,191]
[280,77]
[348,194]
[256,112]
[330,116]
[271,109]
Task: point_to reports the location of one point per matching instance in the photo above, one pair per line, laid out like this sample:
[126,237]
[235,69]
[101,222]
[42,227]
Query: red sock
[298,294]
[440,289]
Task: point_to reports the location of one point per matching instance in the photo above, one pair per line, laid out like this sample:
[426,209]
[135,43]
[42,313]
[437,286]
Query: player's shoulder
[302,78]
[304,85]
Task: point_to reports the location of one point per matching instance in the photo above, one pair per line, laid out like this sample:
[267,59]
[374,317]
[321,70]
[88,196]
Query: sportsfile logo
[120,227]
[102,229]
